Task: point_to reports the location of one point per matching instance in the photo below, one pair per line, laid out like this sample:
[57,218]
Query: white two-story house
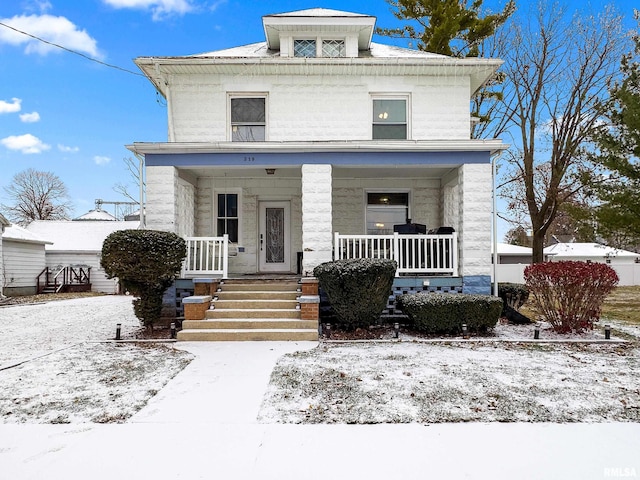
[317,144]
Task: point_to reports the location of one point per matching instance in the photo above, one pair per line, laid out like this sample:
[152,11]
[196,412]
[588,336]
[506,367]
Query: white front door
[274,245]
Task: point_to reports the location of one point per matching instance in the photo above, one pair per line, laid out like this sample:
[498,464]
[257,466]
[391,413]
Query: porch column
[317,234]
[162,199]
[475,227]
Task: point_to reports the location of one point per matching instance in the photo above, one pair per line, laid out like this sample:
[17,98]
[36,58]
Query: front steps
[248,310]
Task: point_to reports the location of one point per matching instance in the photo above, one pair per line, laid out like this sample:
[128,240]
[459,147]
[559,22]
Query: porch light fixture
[607,332]
[379,225]
[270,171]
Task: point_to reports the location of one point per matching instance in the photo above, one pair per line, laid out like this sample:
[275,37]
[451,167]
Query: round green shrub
[358,289]
[146,262]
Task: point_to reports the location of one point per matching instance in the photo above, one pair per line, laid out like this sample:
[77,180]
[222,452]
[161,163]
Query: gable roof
[16,233]
[586,250]
[97,214]
[72,236]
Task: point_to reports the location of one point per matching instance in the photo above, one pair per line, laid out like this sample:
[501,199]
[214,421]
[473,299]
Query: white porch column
[317,231]
[475,186]
[162,199]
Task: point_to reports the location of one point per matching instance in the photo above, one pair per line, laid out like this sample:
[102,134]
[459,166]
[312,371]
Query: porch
[415,255]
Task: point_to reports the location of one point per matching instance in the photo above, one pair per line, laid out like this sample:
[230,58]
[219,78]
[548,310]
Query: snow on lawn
[455,382]
[57,365]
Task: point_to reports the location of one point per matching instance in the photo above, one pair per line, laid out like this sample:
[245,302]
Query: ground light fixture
[465,331]
[173,330]
[607,332]
[118,330]
[396,329]
[536,333]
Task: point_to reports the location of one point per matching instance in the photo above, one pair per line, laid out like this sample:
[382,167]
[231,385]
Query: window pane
[247,133]
[389,111]
[380,220]
[232,205]
[247,110]
[304,48]
[230,227]
[333,48]
[389,132]
[221,205]
[388,199]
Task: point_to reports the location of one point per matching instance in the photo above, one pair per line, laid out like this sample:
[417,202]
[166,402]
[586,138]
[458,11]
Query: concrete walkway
[203,425]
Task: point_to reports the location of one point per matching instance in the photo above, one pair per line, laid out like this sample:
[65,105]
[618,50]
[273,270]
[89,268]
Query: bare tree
[134,173]
[556,71]
[36,195]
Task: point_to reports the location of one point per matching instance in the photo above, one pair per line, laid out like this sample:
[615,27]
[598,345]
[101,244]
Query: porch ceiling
[422,171]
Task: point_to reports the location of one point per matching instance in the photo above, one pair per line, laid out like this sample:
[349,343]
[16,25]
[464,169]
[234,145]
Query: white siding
[318,108]
[99,281]
[23,262]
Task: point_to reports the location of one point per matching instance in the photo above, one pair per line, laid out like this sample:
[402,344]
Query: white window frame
[227,191]
[391,96]
[367,191]
[231,96]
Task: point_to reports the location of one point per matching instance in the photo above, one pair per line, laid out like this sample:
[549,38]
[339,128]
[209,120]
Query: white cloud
[159,8]
[66,149]
[101,160]
[10,107]
[30,117]
[58,30]
[25,143]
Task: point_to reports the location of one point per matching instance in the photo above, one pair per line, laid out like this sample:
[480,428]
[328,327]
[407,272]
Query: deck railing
[207,256]
[414,254]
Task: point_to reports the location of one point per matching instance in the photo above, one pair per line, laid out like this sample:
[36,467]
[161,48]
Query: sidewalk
[202,425]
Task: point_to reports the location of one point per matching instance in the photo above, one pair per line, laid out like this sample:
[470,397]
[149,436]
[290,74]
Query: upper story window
[304,48]
[248,119]
[319,48]
[390,118]
[333,48]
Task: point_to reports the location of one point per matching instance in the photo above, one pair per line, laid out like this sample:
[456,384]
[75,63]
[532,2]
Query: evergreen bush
[444,313]
[146,262]
[569,294]
[357,289]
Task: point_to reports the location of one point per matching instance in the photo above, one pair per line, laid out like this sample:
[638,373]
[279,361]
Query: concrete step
[258,295]
[254,304]
[252,323]
[229,335]
[242,313]
[264,286]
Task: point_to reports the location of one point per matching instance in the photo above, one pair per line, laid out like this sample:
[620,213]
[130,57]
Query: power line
[72,51]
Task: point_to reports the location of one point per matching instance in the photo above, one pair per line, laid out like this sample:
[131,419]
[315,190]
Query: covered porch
[288,211]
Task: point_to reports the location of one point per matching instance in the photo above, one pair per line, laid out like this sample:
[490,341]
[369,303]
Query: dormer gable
[319,32]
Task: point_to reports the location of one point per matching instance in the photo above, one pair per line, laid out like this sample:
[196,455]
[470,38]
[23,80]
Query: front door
[274,246]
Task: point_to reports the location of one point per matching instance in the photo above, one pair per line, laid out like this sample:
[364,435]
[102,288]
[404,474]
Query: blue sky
[62,113]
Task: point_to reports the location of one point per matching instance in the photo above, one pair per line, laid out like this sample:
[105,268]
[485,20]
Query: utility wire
[72,51]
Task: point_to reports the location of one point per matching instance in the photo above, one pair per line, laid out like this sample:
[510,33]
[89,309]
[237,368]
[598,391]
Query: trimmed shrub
[146,262]
[569,294]
[357,289]
[446,312]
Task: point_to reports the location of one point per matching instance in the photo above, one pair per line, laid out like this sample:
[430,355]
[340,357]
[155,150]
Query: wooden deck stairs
[248,310]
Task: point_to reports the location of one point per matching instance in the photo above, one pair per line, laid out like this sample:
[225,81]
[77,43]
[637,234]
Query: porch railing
[207,256]
[414,254]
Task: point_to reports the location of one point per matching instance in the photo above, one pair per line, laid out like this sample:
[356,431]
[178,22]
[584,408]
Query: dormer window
[304,48]
[309,48]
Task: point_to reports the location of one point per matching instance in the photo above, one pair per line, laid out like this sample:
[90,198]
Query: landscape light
[396,329]
[607,332]
[536,333]
[118,329]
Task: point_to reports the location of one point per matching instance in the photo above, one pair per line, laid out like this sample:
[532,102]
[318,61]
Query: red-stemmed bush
[569,295]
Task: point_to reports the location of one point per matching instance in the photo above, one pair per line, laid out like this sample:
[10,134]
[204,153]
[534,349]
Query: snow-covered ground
[58,365]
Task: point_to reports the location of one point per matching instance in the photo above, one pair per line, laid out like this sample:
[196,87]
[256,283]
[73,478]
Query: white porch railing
[414,254]
[207,256]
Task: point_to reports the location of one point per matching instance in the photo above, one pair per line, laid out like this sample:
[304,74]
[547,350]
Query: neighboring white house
[3,224]
[79,243]
[315,144]
[23,254]
[592,252]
